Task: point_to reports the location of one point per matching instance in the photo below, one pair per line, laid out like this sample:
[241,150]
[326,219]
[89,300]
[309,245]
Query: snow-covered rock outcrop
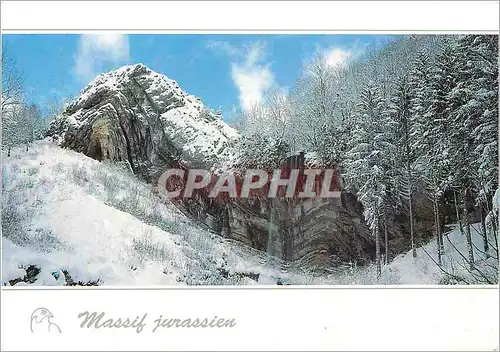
[141,116]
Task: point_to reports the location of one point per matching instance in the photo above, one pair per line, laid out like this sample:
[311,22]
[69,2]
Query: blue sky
[223,70]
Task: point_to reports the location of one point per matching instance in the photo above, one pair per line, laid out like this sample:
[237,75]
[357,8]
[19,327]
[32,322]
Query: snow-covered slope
[406,270]
[65,213]
[68,215]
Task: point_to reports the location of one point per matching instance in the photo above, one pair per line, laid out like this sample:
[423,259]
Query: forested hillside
[423,111]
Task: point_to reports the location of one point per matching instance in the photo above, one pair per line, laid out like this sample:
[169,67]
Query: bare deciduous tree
[12,82]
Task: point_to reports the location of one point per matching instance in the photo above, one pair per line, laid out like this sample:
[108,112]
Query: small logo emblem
[41,324]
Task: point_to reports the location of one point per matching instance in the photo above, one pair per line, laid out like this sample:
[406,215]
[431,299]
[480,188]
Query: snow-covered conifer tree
[369,158]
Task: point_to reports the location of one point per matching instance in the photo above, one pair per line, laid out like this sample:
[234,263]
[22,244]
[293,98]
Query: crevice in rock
[127,146]
[95,150]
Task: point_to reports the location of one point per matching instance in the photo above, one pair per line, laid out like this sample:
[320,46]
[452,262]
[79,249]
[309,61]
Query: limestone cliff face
[136,115]
[140,116]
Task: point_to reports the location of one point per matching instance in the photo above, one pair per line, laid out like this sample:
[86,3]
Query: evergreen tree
[427,134]
[474,112]
[368,159]
[405,178]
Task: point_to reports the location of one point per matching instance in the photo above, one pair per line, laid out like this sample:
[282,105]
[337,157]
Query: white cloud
[249,71]
[252,76]
[336,57]
[252,83]
[94,50]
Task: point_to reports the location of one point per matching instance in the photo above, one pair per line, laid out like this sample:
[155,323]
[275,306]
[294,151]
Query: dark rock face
[136,115]
[31,275]
[32,272]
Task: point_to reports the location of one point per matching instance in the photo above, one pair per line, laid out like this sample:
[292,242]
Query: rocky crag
[136,115]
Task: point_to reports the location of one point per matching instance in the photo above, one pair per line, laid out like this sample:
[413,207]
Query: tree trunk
[458,215]
[440,235]
[412,239]
[377,245]
[493,214]
[386,240]
[436,225]
[494,225]
[466,226]
[484,233]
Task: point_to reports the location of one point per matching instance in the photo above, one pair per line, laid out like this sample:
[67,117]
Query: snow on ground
[65,212]
[70,215]
[406,270]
